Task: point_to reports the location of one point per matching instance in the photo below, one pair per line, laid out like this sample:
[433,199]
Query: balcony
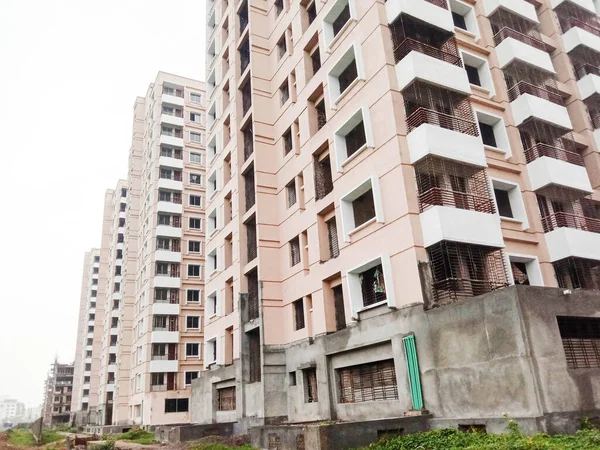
[172,119]
[168,256]
[588,77]
[163,366]
[167,309]
[434,12]
[528,106]
[173,97]
[572,236]
[164,337]
[173,139]
[581,34]
[586,4]
[170,184]
[167,161]
[577,273]
[512,45]
[521,8]
[168,231]
[548,165]
[170,207]
[165,281]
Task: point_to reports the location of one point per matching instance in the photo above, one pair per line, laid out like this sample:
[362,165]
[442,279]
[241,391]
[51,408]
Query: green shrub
[108,444]
[49,436]
[142,437]
[20,437]
[212,446]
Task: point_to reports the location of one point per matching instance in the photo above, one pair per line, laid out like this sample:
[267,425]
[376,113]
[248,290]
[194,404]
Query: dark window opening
[459,21]
[581,341]
[340,20]
[473,75]
[487,134]
[299,314]
[364,208]
[348,75]
[503,202]
[368,382]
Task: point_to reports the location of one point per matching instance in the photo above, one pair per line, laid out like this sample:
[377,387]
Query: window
[278,6]
[195,117]
[345,73]
[195,200]
[195,223]
[194,270]
[193,296]
[195,178]
[195,137]
[463,16]
[525,270]
[360,206]
[298,306]
[95,270]
[195,98]
[211,351]
[295,251]
[352,137]
[310,385]
[213,263]
[337,19]
[211,304]
[173,405]
[192,322]
[323,180]
[493,132]
[473,75]
[284,91]
[226,399]
[190,376]
[332,238]
[196,158]
[194,246]
[364,208]
[254,352]
[212,183]
[315,58]
[311,12]
[290,190]
[581,341]
[192,349]
[281,47]
[509,201]
[96,259]
[288,142]
[367,382]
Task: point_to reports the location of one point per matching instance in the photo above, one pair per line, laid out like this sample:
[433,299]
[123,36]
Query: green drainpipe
[414,377]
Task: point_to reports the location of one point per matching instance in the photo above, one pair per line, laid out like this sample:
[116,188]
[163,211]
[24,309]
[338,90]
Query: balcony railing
[423,115]
[569,220]
[507,32]
[163,387]
[177,134]
[173,273]
[175,113]
[173,92]
[523,87]
[541,149]
[455,199]
[586,69]
[409,45]
[165,357]
[574,22]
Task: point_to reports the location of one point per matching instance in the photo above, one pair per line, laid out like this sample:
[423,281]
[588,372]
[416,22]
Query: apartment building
[167,176]
[379,173]
[11,409]
[87,351]
[58,392]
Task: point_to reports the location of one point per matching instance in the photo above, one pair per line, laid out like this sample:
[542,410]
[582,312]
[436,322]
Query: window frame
[347,209]
[339,137]
[327,24]
[515,197]
[352,53]
[354,289]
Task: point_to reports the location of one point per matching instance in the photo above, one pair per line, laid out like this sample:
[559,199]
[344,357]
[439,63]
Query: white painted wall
[587,4]
[519,7]
[422,10]
[173,100]
[544,171]
[166,309]
[510,49]
[565,242]
[164,337]
[433,140]
[527,105]
[164,366]
[418,66]
[171,120]
[588,86]
[576,36]
[460,225]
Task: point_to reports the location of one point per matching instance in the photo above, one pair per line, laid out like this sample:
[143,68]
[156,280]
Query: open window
[346,73]
[524,270]
[478,72]
[493,132]
[464,17]
[339,17]
[361,207]
[371,284]
[509,202]
[353,137]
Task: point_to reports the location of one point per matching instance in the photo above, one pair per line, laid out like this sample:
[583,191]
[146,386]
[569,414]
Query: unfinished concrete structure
[370,162]
[58,392]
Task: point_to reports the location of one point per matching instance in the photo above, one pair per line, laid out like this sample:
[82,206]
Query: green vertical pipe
[414,378]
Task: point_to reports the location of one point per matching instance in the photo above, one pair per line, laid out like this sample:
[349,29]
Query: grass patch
[142,437]
[212,446]
[450,439]
[49,436]
[20,437]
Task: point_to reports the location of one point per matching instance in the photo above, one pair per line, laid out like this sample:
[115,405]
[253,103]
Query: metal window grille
[506,24]
[299,314]
[565,208]
[581,341]
[340,310]
[465,270]
[243,14]
[246,96]
[577,273]
[321,116]
[441,182]
[355,139]
[295,251]
[254,356]
[363,208]
[522,78]
[251,240]
[410,34]
[571,15]
[315,58]
[348,75]
[425,103]
[291,193]
[332,238]
[248,141]
[542,139]
[341,19]
[323,180]
[288,143]
[372,285]
[249,188]
[310,381]
[226,399]
[252,280]
[368,382]
[585,61]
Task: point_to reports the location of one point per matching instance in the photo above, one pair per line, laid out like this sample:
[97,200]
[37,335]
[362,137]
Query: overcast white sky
[70,71]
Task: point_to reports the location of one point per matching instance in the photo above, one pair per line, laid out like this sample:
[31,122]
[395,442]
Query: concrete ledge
[183,433]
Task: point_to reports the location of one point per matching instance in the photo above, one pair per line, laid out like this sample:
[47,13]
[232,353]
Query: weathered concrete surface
[184,433]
